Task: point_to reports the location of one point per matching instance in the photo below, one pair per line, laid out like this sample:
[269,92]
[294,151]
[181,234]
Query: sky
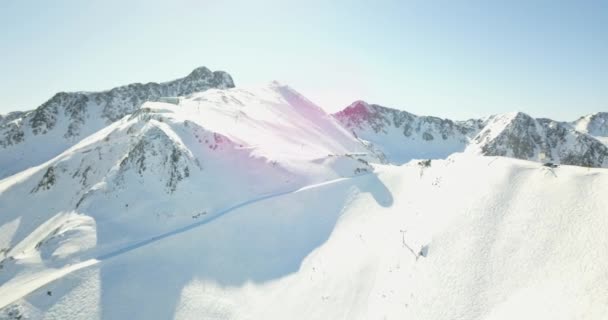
[454,59]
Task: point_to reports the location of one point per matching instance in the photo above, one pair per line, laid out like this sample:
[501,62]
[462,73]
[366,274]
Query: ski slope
[500,239]
[19,287]
[168,165]
[254,203]
[161,171]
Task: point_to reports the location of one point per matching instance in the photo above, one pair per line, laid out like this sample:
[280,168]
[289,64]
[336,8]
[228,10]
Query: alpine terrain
[32,137]
[402,136]
[196,199]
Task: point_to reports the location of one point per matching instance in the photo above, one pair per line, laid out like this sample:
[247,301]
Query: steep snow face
[166,167]
[463,238]
[520,136]
[402,136]
[594,124]
[31,138]
[275,121]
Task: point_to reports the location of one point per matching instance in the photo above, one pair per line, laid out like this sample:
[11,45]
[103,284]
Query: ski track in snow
[14,291]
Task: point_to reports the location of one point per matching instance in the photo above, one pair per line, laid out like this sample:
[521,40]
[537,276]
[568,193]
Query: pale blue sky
[457,59]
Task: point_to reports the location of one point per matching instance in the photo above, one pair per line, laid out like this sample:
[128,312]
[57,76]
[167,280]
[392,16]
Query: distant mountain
[10,117]
[402,136]
[520,136]
[594,124]
[30,138]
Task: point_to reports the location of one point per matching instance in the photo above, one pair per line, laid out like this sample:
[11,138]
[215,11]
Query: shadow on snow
[259,241]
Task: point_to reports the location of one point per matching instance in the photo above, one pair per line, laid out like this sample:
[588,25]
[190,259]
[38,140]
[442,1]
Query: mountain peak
[595,124]
[601,114]
[359,104]
[356,111]
[515,116]
[204,76]
[66,117]
[275,84]
[521,136]
[200,72]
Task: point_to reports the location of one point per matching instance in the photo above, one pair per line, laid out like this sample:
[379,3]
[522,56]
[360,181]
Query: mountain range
[197,199]
[403,136]
[32,137]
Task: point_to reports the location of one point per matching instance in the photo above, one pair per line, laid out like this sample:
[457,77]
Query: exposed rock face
[156,151]
[523,137]
[403,136]
[361,115]
[30,138]
[510,136]
[4,119]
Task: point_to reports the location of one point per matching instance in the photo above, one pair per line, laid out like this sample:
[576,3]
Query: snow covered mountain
[254,203]
[33,137]
[594,124]
[402,136]
[164,168]
[520,136]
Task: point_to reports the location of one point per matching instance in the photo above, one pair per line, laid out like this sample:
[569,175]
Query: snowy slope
[594,124]
[509,239]
[31,138]
[165,167]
